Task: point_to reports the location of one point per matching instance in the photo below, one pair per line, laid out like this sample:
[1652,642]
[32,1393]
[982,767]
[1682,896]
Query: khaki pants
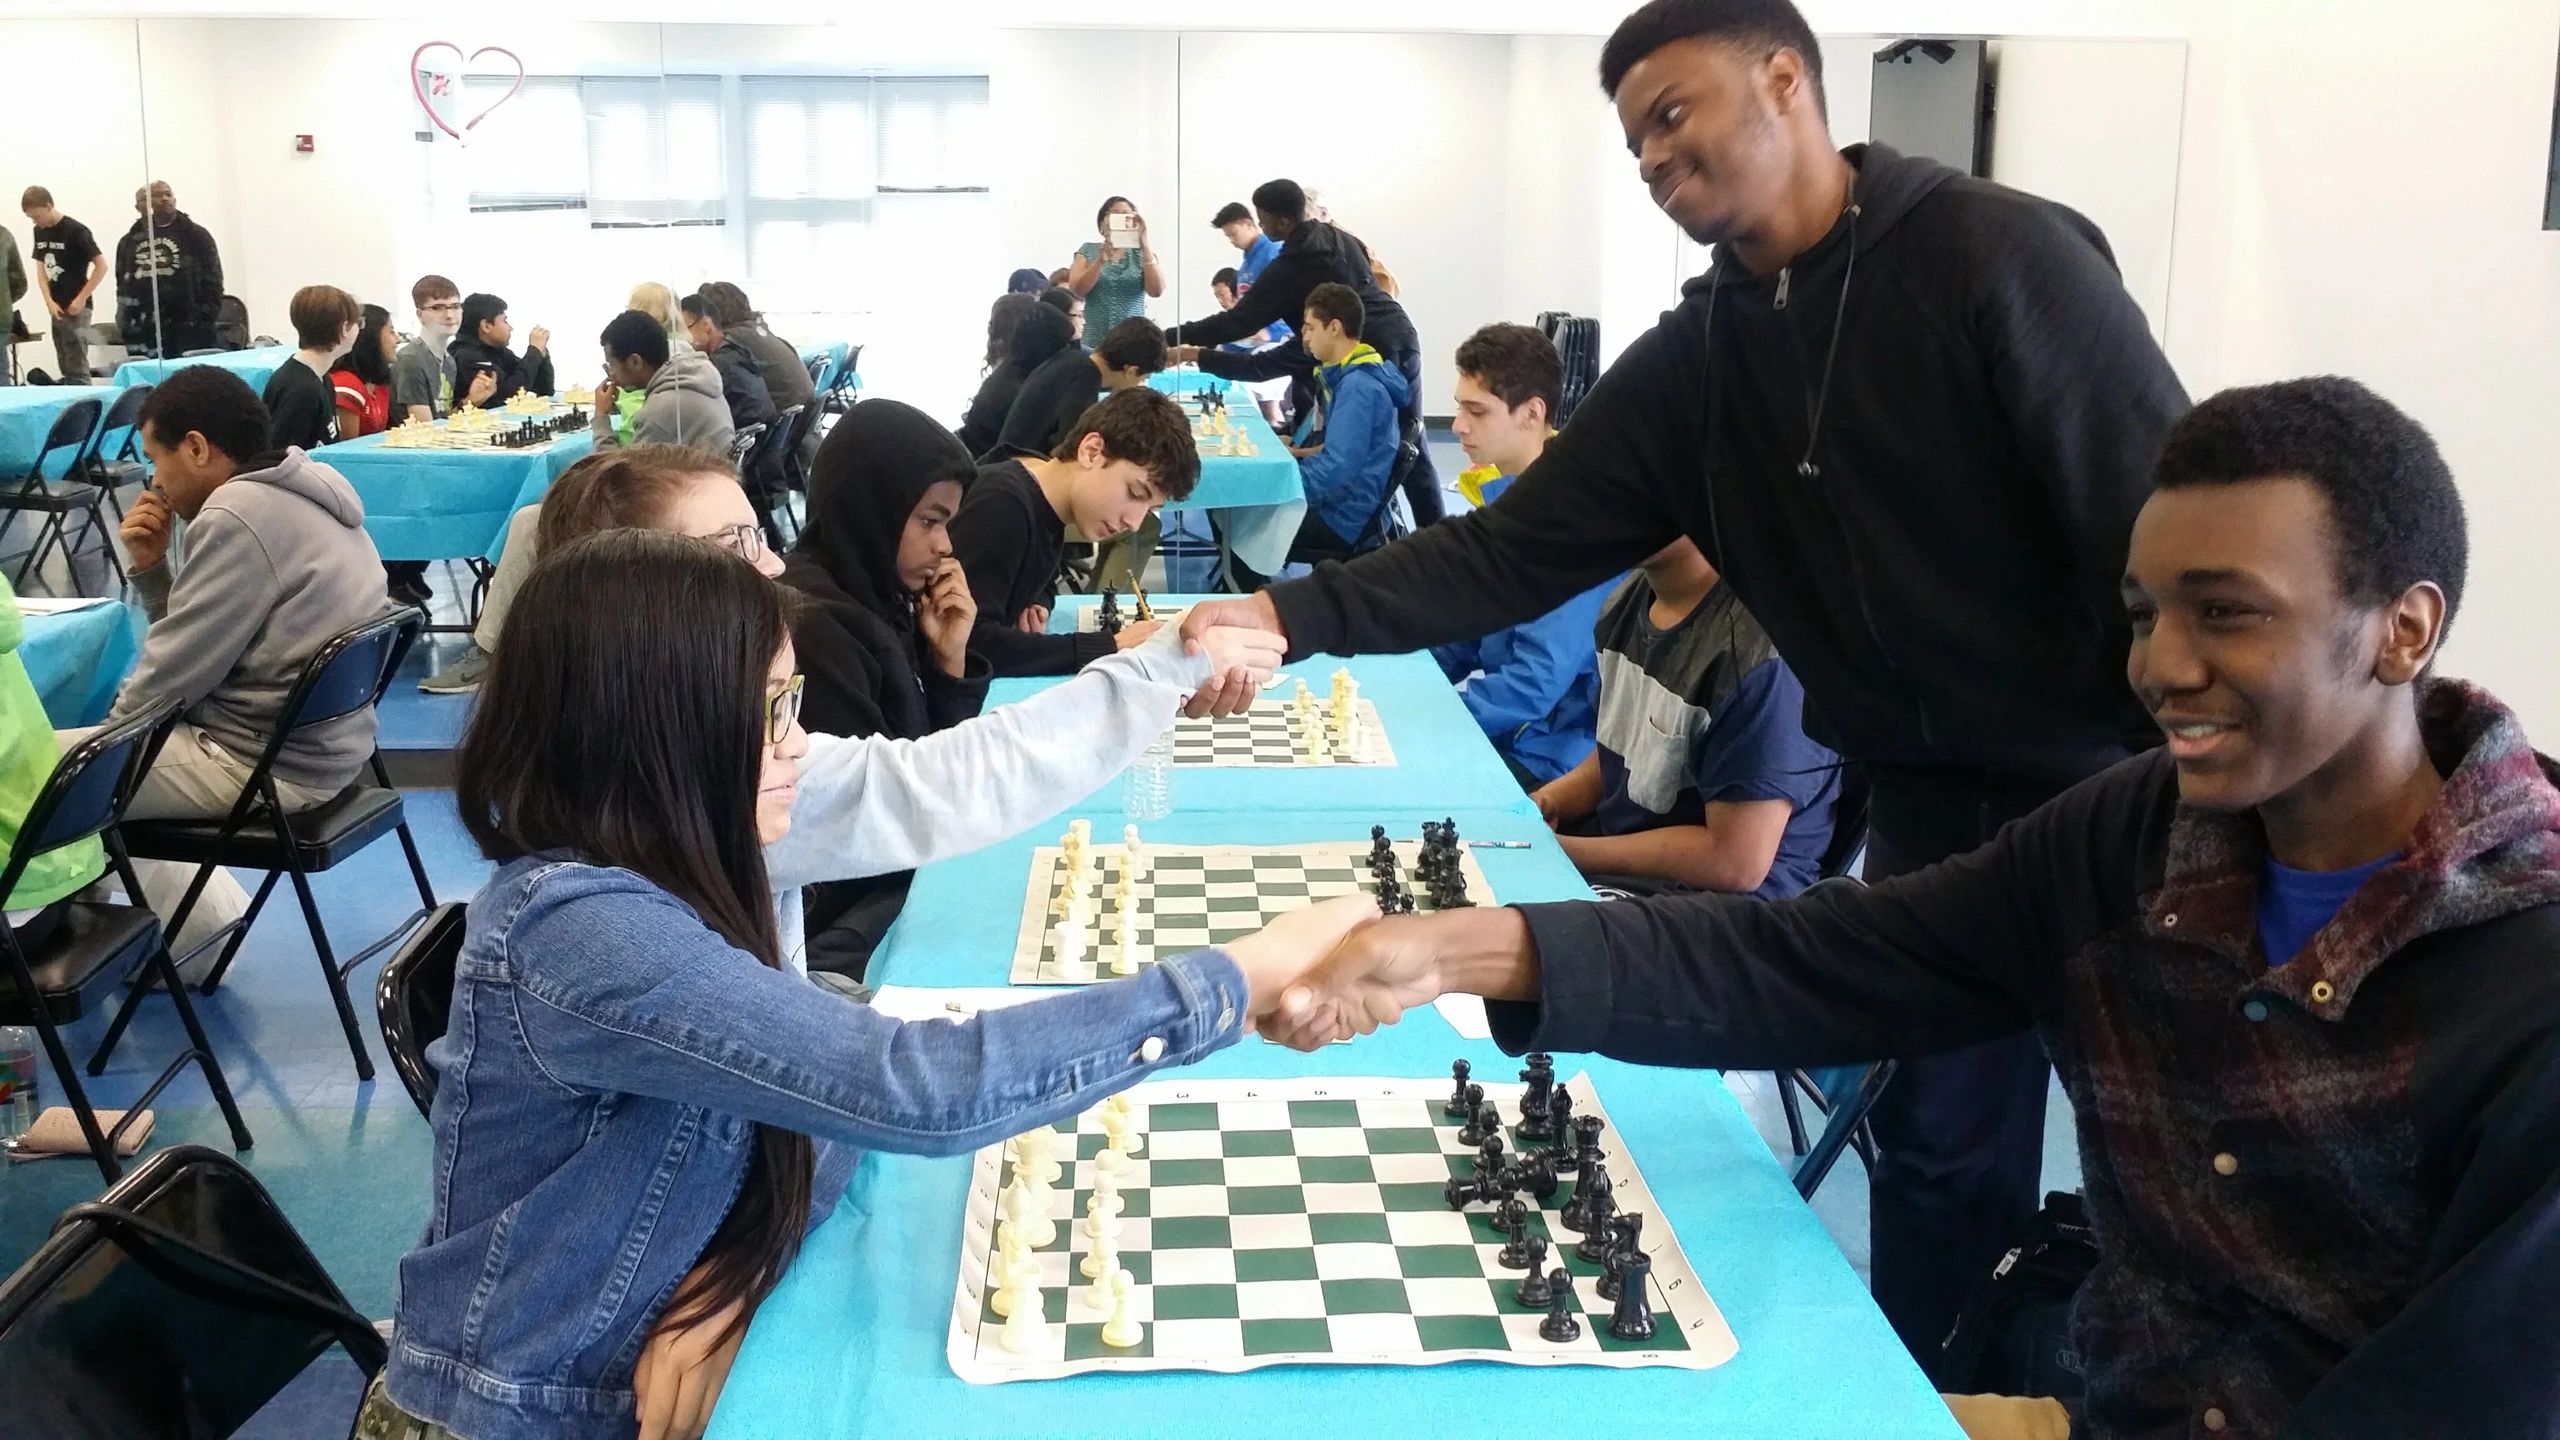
[71,345]
[2009,1417]
[514,563]
[194,779]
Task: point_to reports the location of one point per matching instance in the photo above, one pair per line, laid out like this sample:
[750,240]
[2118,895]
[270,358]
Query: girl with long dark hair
[640,1111]
[361,380]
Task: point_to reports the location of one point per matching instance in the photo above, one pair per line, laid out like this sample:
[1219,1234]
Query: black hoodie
[530,371]
[1314,254]
[857,639]
[175,267]
[1937,557]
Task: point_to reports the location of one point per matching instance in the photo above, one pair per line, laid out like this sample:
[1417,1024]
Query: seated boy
[1359,395]
[1534,689]
[2295,966]
[1704,778]
[277,562]
[685,402]
[1125,457]
[1056,395]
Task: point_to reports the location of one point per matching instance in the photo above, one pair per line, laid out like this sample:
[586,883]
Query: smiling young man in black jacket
[1909,416]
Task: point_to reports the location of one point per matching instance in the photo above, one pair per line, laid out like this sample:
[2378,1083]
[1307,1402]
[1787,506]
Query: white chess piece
[1027,1207]
[1035,1156]
[1071,943]
[1124,951]
[1026,1326]
[1131,1142]
[1013,1271]
[1100,1264]
[1120,1331]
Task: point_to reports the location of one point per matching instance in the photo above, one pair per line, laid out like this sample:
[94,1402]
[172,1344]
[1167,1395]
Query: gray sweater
[684,406]
[277,561]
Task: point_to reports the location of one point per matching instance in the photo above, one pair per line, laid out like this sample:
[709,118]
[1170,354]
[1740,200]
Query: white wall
[89,155]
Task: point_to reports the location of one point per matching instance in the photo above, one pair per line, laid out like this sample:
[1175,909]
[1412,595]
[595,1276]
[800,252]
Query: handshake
[1340,969]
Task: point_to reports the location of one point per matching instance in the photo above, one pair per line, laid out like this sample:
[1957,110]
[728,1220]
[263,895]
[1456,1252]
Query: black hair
[1105,212]
[2394,513]
[1002,319]
[1136,343]
[209,401]
[1518,363]
[479,309]
[1060,299]
[364,359]
[1228,214]
[1340,304]
[709,309]
[1761,25]
[635,332]
[1282,198]
[624,724]
[1225,275]
[1146,427]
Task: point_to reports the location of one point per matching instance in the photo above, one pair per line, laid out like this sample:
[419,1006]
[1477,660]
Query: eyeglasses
[782,709]
[744,541]
[443,306]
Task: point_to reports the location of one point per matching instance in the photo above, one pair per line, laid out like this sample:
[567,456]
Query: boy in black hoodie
[1909,416]
[168,277]
[480,347]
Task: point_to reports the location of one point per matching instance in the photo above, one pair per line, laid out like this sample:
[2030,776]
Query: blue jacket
[606,1058]
[1347,479]
[1538,698]
[1257,257]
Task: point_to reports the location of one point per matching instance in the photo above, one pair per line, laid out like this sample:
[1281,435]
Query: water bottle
[1149,794]
[20,1065]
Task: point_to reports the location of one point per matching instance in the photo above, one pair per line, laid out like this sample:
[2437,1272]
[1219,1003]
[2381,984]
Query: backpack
[2013,1336]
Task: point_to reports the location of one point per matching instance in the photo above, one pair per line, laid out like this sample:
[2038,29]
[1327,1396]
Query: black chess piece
[1489,1156]
[1560,1143]
[1591,1185]
[1627,1239]
[1633,1319]
[1458,1106]
[1534,1290]
[1559,1327]
[1599,1234]
[1536,1174]
[1459,1194]
[1533,1104]
[1486,1121]
[1378,838]
[1586,1138]
[1514,1218]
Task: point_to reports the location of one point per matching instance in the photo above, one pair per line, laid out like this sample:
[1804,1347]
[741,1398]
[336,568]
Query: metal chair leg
[202,1047]
[329,970]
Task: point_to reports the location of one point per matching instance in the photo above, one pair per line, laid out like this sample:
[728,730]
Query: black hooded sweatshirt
[176,267]
[1935,546]
[1043,332]
[529,371]
[1312,255]
[857,638]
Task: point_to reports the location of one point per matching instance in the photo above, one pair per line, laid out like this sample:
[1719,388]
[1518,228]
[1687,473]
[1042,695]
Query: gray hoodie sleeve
[202,619]
[874,805]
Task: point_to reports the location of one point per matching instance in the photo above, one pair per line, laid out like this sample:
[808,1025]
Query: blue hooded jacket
[1538,696]
[1347,479]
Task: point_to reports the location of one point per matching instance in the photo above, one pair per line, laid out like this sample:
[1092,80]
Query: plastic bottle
[1149,792]
[21,1067]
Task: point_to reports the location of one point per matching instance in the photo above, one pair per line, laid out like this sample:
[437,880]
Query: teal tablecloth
[27,412]
[1441,757]
[1255,501]
[253,366]
[852,1342]
[77,659]
[447,504]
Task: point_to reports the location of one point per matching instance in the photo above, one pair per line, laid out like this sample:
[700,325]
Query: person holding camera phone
[1115,277]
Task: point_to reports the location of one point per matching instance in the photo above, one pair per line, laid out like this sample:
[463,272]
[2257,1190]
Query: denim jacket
[606,1057]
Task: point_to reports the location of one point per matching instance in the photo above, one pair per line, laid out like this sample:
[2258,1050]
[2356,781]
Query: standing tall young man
[1909,416]
[74,267]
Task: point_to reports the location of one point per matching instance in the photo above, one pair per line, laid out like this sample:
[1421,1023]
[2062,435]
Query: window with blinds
[529,153]
[831,160]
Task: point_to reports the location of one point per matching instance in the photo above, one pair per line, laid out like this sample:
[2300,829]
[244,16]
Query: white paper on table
[1465,1014]
[50,605]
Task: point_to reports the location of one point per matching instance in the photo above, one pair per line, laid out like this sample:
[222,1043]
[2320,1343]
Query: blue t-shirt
[1706,711]
[1257,258]
[2293,904]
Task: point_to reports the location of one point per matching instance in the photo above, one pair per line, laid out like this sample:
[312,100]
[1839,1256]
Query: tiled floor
[348,1161]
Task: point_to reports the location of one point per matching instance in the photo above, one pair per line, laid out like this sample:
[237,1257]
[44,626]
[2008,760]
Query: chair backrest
[231,324]
[179,1304]
[350,670]
[70,430]
[1848,822]
[1388,522]
[414,997]
[743,444]
[781,434]
[90,786]
[818,369]
[125,414]
[846,374]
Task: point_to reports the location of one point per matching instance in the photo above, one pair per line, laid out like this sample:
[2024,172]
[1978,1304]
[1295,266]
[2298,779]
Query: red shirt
[374,401]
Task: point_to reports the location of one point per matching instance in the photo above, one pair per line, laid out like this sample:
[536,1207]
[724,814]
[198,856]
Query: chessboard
[1272,735]
[1188,898]
[1326,1221]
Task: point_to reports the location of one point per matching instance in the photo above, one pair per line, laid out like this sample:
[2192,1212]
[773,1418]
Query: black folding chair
[93,948]
[111,468]
[72,430]
[345,676]
[1845,1109]
[177,1305]
[414,998]
[766,471]
[846,385]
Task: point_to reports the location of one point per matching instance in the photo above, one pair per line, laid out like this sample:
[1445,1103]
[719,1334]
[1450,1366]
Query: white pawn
[1120,1331]
[1015,1271]
[1100,1225]
[1124,955]
[1071,947]
[1131,1142]
[1098,1294]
